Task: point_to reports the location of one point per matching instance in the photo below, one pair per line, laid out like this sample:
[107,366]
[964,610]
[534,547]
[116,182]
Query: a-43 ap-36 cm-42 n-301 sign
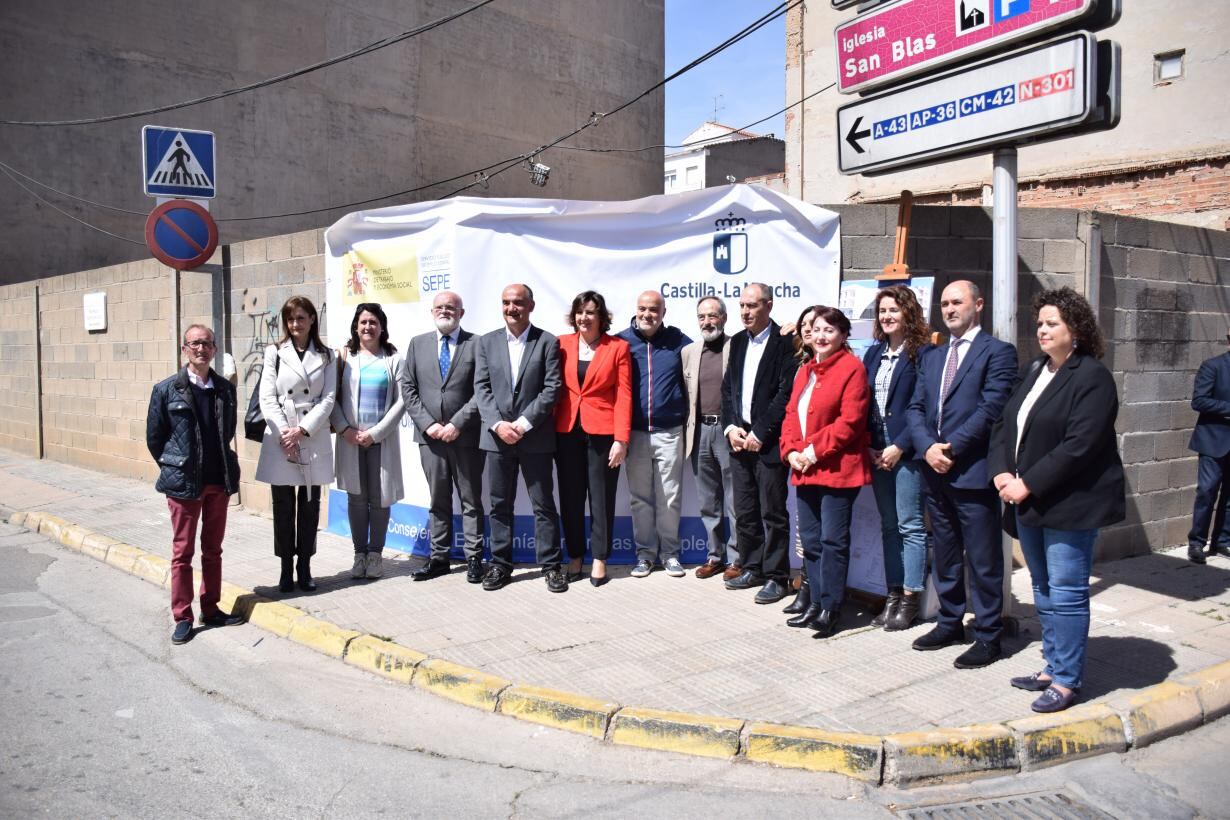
[899,39]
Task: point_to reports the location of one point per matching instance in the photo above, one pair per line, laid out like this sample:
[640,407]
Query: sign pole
[1003,246]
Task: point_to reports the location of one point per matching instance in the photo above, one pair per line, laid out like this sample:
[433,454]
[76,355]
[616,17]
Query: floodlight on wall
[538,172]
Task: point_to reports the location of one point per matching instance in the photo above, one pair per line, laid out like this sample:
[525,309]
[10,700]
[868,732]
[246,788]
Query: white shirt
[196,380]
[751,363]
[1045,377]
[585,353]
[804,402]
[962,351]
[516,350]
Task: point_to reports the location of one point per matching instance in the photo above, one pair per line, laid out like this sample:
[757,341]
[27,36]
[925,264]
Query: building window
[670,180]
[1168,66]
[691,174]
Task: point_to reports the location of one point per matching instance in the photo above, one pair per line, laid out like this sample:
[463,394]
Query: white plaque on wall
[95,306]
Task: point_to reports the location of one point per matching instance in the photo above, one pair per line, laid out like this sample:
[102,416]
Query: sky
[748,79]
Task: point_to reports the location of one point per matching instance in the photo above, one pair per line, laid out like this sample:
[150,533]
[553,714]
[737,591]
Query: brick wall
[18,399]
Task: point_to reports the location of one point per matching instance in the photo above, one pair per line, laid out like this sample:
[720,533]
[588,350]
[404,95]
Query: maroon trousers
[210,510]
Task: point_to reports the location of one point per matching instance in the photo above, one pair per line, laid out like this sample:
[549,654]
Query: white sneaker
[673,568]
[375,565]
[360,565]
[642,569]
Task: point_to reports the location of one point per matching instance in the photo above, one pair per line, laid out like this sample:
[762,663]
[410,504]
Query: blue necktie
[444,357]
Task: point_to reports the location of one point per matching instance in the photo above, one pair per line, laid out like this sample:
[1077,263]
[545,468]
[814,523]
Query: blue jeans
[899,498]
[1059,563]
[824,526]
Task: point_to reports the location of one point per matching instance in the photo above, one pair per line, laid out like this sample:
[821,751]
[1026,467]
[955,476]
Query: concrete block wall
[18,399]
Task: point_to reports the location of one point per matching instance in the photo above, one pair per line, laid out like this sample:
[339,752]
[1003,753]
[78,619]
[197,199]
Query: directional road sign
[908,37]
[1002,100]
[181,234]
[178,162]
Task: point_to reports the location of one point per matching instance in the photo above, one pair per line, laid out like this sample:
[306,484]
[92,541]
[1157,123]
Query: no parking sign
[181,234]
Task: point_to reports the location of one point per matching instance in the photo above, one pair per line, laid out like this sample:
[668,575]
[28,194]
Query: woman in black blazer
[1056,466]
[901,336]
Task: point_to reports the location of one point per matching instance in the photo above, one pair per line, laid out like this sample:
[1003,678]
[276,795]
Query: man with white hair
[438,389]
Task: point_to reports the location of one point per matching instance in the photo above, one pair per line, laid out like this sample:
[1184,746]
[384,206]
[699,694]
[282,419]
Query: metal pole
[38,375]
[1003,247]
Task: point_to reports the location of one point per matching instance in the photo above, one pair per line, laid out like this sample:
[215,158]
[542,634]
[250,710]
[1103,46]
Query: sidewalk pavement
[682,643]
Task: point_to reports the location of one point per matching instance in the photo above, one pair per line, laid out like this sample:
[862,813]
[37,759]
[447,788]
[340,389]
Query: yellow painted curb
[391,660]
[321,636]
[96,546]
[123,556]
[1083,731]
[33,521]
[912,758]
[72,535]
[798,747]
[275,616]
[231,597]
[1158,712]
[153,568]
[460,683]
[561,710]
[676,732]
[51,525]
[1212,687]
[18,519]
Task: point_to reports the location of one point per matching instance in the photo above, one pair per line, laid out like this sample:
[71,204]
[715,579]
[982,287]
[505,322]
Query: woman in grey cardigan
[367,417]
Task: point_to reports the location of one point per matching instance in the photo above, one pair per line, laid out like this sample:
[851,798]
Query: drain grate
[1034,806]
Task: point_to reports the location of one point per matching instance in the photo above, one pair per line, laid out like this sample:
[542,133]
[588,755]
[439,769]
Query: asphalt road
[103,717]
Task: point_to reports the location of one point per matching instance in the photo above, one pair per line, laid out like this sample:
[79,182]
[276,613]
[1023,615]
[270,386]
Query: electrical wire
[4,169]
[290,75]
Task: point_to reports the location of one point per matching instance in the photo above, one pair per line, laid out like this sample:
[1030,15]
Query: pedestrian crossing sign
[178,162]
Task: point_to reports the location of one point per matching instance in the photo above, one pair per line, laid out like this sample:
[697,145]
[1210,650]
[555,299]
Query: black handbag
[254,420]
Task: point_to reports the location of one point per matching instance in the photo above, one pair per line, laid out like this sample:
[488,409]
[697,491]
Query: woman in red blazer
[824,439]
[593,422]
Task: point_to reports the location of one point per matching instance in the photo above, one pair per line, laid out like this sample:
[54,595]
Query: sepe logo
[729,244]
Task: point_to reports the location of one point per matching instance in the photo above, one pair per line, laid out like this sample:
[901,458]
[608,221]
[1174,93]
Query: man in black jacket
[1211,442]
[190,432]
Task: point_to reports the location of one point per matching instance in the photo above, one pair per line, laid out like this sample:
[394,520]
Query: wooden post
[898,270]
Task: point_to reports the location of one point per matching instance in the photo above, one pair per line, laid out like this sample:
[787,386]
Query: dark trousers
[296,515]
[446,466]
[535,468]
[369,522]
[1212,501]
[762,527]
[581,461]
[210,510]
[965,528]
[824,526]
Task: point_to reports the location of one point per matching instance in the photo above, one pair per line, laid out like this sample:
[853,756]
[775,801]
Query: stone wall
[18,396]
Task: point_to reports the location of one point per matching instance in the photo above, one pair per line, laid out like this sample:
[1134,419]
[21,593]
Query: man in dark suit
[960,392]
[516,383]
[437,387]
[1211,440]
[755,390]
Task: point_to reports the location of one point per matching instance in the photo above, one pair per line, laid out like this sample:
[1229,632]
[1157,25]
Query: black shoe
[286,583]
[304,570]
[1195,554]
[474,570]
[826,624]
[573,577]
[982,653]
[772,592]
[1031,683]
[890,607]
[1052,700]
[495,578]
[182,633]
[805,618]
[801,600]
[746,580]
[937,638]
[1223,551]
[557,581]
[599,581]
[220,618]
[906,613]
[434,568]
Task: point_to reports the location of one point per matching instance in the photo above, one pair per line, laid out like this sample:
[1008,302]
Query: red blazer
[605,402]
[836,423]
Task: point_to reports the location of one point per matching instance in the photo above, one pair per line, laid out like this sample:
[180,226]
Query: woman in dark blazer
[824,441]
[901,338]
[1055,464]
[593,422]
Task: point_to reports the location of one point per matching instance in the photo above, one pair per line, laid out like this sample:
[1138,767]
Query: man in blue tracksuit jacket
[655,454]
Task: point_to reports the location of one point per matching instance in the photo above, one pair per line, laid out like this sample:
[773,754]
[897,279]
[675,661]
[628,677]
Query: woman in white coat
[367,417]
[297,390]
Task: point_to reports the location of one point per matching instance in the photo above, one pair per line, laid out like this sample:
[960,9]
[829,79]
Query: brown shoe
[732,571]
[709,569]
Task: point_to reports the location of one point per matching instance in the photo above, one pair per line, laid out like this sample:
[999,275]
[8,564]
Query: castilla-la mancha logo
[730,244]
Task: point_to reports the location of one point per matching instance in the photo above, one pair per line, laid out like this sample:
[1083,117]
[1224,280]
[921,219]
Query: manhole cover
[1034,806]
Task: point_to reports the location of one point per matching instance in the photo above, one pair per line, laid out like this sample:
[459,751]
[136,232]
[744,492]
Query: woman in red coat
[593,422]
[824,440]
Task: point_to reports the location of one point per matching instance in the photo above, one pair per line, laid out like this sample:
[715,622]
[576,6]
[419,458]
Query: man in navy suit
[961,390]
[1211,439]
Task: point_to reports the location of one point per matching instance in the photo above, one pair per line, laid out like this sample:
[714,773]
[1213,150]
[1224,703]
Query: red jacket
[605,402]
[836,423]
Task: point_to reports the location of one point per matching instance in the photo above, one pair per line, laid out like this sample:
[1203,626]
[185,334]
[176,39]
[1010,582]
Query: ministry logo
[729,244]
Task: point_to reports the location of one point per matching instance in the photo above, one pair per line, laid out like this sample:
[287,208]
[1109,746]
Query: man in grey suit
[704,365]
[516,381]
[437,387]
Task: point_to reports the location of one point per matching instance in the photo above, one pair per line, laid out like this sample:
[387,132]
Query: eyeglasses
[205,344]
